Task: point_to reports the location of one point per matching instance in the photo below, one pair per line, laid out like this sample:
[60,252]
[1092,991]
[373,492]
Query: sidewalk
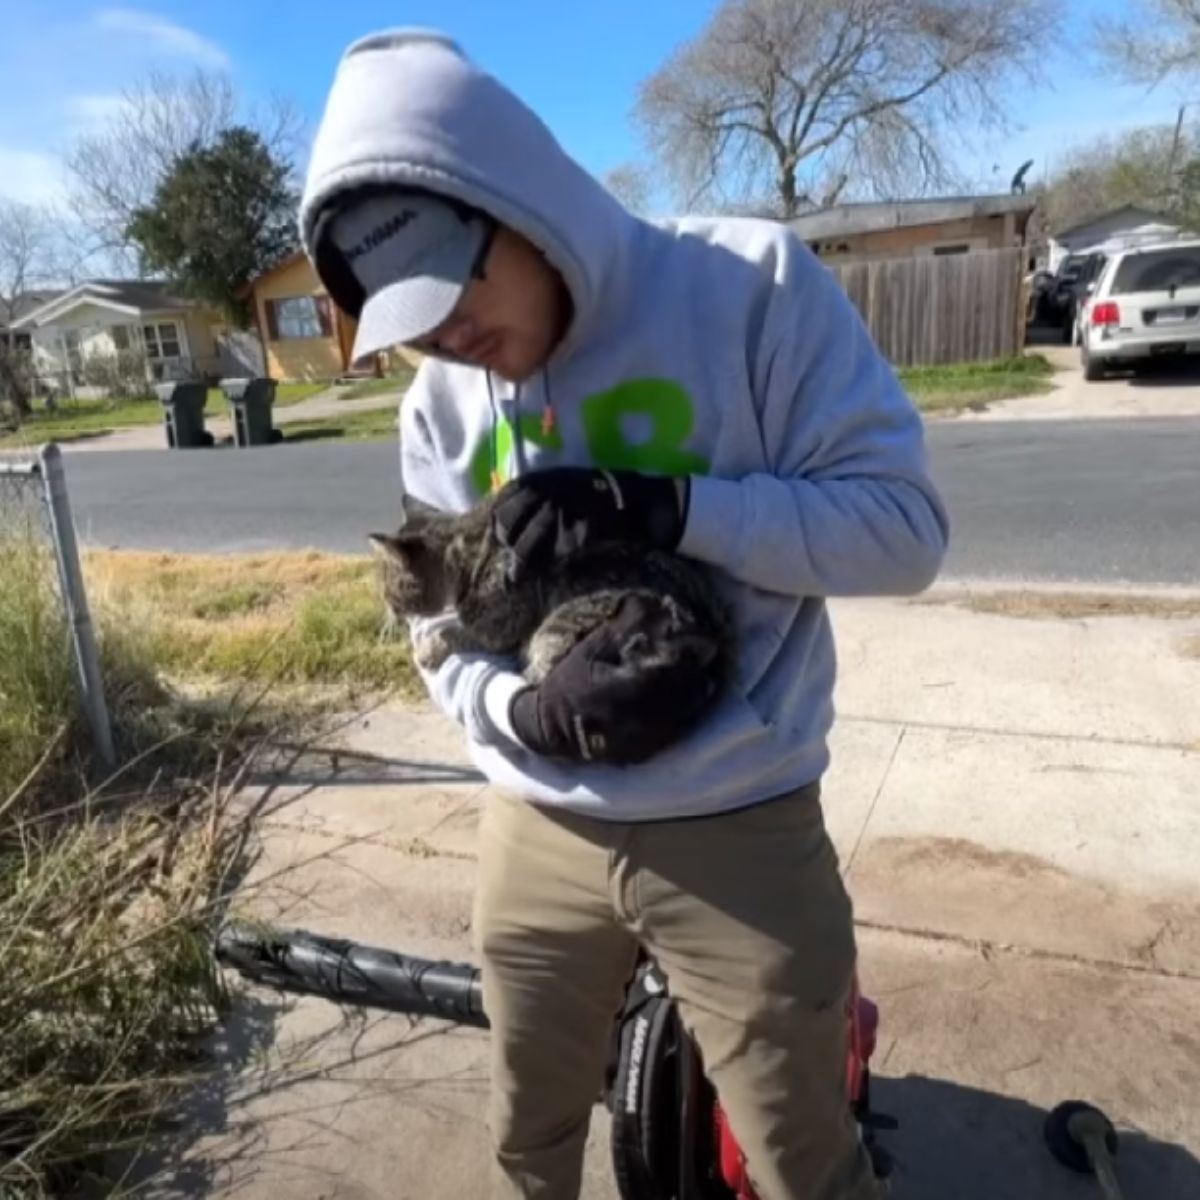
[1163,392]
[1015,804]
[316,408]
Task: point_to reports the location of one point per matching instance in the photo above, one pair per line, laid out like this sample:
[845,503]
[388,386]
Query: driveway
[1164,390]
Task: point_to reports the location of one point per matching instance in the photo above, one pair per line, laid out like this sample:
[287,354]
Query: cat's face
[412,573]
[414,570]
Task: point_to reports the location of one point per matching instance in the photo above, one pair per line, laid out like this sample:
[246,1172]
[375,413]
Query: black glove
[611,699]
[547,514]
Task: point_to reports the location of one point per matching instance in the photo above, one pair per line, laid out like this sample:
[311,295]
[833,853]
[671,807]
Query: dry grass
[303,618]
[109,892]
[35,679]
[1070,606]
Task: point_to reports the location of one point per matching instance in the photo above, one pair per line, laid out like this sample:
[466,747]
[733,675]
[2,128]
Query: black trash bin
[183,414]
[251,401]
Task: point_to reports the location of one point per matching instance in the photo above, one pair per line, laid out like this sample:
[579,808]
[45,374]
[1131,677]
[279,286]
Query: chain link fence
[38,549]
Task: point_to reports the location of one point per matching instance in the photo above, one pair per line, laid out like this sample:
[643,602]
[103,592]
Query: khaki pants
[746,914]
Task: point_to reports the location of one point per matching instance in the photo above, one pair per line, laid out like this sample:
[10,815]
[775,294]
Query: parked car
[1076,274]
[1145,304]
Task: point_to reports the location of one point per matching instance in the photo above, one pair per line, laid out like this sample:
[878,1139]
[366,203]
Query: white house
[1129,225]
[104,319]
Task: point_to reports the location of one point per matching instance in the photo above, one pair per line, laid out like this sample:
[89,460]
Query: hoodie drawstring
[549,424]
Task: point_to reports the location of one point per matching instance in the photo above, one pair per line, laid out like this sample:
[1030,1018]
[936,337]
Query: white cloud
[165,35]
[89,112]
[30,176]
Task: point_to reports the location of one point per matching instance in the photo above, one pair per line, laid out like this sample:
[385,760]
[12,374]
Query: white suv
[1146,303]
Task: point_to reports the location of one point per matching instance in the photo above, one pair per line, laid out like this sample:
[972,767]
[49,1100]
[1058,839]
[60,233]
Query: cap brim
[403,312]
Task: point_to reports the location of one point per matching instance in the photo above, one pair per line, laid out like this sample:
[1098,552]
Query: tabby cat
[439,562]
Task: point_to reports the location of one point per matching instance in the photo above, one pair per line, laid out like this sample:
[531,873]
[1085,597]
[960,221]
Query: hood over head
[408,109]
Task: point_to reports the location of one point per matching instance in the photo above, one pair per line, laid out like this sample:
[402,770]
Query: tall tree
[781,104]
[221,215]
[27,263]
[1148,167]
[115,169]
[1161,38]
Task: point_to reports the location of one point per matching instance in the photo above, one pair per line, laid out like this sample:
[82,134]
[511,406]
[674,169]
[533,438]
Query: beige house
[913,228]
[104,330]
[305,336]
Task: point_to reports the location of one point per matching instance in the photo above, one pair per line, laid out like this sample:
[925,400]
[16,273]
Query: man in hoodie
[702,384]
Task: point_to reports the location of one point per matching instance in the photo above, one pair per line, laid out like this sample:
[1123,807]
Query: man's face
[509,320]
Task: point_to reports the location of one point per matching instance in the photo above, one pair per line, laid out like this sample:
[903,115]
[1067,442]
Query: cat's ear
[397,547]
[412,509]
[385,546]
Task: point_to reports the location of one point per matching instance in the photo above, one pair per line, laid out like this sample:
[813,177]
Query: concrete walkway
[1165,391]
[323,406]
[1015,805]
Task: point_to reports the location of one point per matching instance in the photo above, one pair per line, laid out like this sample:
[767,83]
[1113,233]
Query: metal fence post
[74,595]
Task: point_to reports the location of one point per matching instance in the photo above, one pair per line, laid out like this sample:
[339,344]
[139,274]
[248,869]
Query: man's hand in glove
[609,700]
[547,514]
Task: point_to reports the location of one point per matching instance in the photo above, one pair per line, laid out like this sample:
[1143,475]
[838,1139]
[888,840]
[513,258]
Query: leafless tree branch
[780,101]
[1163,40]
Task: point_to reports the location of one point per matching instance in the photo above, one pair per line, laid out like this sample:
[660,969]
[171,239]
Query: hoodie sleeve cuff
[714,521]
[498,695]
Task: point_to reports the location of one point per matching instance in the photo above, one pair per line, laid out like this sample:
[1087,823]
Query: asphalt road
[1080,501]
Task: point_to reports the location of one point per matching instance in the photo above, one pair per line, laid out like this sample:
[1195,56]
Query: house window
[120,337]
[957,248]
[295,317]
[162,341]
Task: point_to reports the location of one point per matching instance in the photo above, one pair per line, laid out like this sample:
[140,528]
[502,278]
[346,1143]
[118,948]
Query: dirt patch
[1191,648]
[955,887]
[1070,606]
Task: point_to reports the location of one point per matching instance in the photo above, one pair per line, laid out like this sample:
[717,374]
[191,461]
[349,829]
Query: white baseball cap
[413,255]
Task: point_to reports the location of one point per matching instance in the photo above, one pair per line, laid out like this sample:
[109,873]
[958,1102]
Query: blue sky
[63,64]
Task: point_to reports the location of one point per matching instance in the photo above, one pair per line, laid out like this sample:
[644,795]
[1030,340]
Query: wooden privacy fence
[941,308]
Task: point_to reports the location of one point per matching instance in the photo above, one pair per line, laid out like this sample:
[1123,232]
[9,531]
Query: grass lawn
[397,382]
[298,618]
[961,387]
[374,424]
[83,418]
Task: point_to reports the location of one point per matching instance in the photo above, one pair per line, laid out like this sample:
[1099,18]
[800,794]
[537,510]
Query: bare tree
[1162,40]
[630,184]
[785,104]
[28,263]
[115,170]
[28,240]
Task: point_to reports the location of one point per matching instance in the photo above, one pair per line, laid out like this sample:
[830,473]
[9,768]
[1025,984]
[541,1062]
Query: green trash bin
[183,414]
[251,401]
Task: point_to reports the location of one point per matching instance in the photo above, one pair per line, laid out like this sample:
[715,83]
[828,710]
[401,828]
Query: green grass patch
[960,387]
[398,381]
[371,425]
[75,419]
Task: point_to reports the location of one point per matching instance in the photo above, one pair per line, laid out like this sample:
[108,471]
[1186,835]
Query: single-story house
[1129,225]
[14,310]
[911,228]
[305,336]
[127,324]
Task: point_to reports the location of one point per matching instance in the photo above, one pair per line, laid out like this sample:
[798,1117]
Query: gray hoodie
[717,348]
